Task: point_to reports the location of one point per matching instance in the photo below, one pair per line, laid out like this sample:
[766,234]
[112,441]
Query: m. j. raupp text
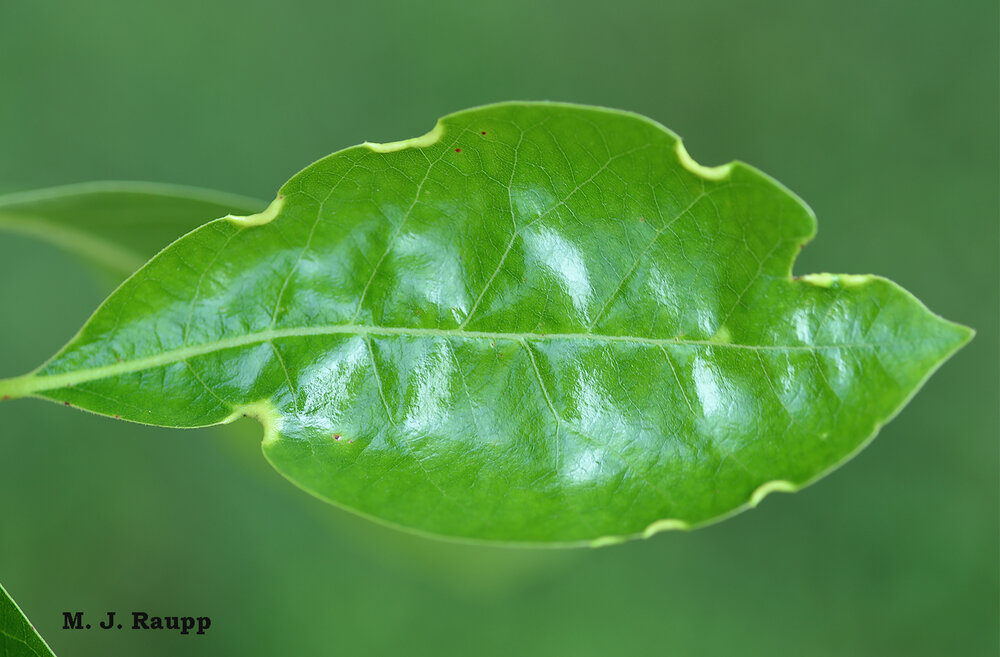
[140,620]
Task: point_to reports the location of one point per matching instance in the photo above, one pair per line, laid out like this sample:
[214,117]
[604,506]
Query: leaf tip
[956,336]
[775,486]
[961,333]
[423,141]
[261,218]
[709,173]
[665,525]
[966,333]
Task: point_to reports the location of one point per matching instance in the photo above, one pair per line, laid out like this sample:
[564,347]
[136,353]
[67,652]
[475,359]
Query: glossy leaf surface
[116,226]
[537,323]
[18,637]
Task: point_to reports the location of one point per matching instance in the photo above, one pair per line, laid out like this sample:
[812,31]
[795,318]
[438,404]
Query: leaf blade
[542,323]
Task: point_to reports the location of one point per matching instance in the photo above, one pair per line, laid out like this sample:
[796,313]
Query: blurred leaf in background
[882,115]
[116,226]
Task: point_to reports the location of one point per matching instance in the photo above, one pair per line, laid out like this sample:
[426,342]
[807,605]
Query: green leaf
[537,323]
[116,226]
[18,637]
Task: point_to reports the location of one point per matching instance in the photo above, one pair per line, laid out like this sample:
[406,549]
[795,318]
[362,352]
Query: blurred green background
[882,115]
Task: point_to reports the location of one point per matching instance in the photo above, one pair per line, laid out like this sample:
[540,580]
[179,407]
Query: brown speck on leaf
[350,442]
[118,360]
[458,150]
[642,219]
[67,404]
[483,132]
[336,436]
[6,398]
[118,417]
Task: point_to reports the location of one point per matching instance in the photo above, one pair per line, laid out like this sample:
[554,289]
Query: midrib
[32,383]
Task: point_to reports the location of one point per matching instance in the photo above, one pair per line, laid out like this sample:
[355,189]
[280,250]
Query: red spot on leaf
[458,150]
[483,132]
